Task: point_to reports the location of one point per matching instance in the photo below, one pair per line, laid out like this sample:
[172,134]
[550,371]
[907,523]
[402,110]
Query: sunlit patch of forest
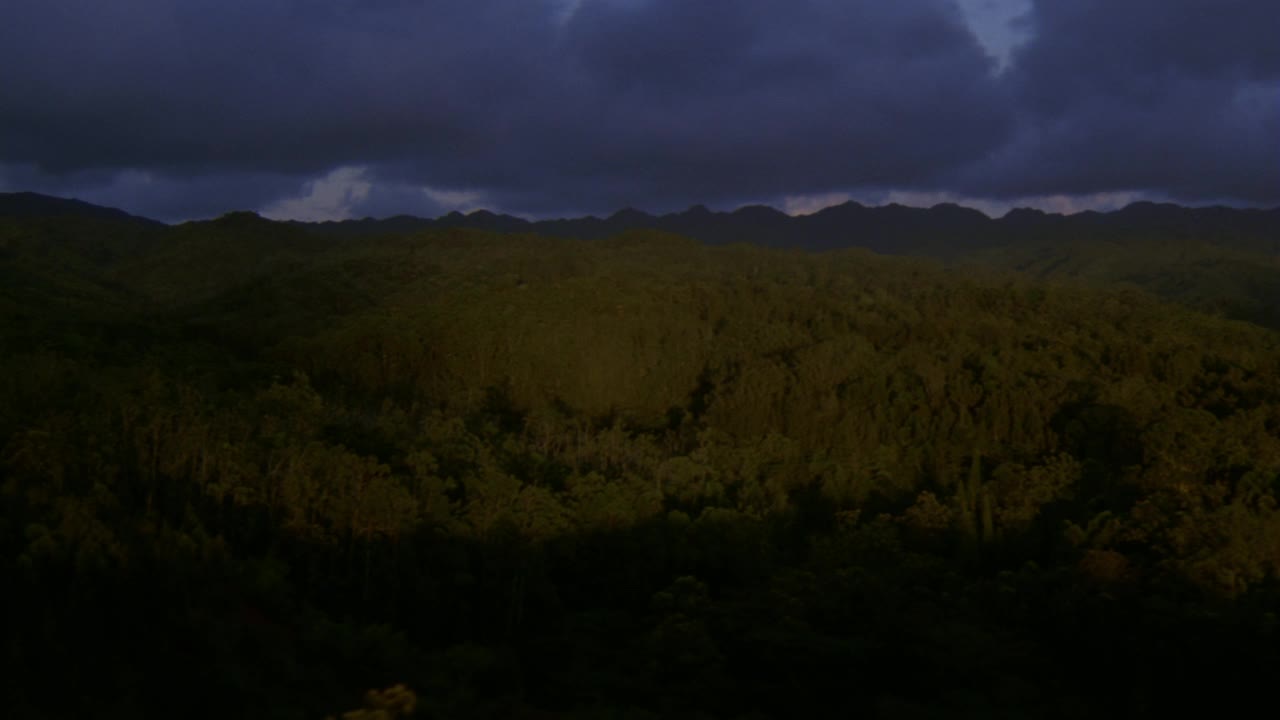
[248,471]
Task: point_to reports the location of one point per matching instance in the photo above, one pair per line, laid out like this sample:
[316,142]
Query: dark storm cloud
[1181,97]
[748,98]
[654,103]
[276,85]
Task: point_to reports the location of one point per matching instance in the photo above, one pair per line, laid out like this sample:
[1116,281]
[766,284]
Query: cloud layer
[544,107]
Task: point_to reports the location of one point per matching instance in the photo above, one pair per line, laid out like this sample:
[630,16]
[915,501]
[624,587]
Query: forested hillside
[1224,261]
[248,470]
[1236,280]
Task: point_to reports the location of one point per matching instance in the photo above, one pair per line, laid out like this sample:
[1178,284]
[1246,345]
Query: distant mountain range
[943,230]
[30,205]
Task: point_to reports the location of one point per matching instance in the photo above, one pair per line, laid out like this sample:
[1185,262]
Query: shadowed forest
[256,469]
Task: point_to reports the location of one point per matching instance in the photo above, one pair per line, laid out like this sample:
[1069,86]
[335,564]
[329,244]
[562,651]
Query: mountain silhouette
[29,204]
[944,230]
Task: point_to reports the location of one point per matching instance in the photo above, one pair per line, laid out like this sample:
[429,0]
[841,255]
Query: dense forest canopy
[248,469]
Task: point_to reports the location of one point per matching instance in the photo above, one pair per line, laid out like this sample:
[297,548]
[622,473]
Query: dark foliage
[248,471]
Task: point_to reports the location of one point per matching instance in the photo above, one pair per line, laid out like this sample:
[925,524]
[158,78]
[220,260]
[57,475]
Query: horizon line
[694,208]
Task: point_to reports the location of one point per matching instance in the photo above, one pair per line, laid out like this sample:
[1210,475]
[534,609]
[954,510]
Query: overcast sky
[316,109]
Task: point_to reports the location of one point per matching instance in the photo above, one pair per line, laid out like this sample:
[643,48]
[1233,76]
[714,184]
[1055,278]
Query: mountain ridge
[30,204]
[944,229]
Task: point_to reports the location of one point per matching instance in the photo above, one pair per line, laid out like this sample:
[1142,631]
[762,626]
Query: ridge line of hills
[1219,260]
[942,230]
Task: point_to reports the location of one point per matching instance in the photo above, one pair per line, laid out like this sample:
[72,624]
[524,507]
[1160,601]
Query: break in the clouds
[344,108]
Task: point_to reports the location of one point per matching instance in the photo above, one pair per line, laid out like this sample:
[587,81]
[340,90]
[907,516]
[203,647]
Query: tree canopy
[246,471]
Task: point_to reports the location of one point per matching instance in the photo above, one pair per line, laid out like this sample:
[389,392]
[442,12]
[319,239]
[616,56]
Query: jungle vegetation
[252,470]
